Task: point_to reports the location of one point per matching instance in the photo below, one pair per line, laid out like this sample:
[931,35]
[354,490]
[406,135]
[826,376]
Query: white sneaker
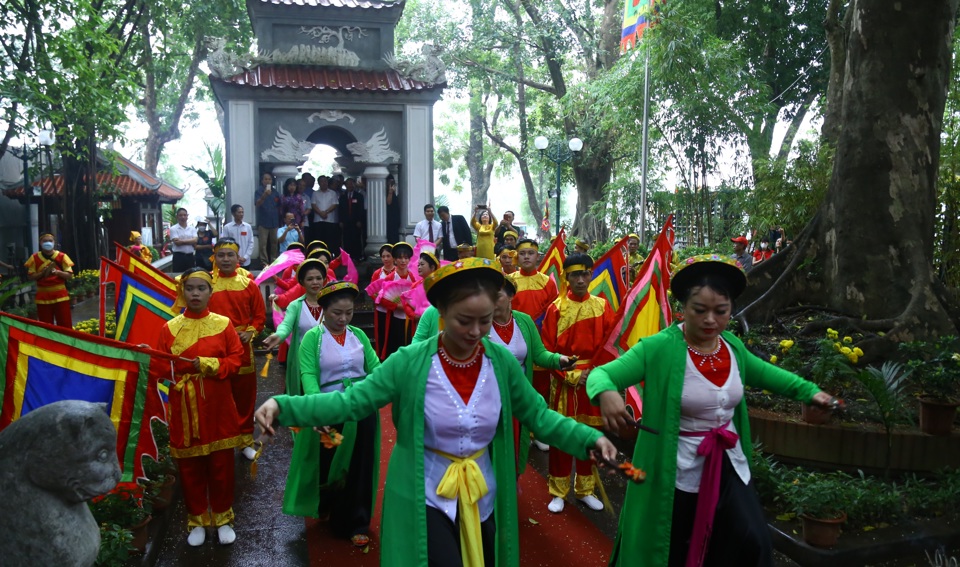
[226,535]
[541,445]
[250,453]
[592,502]
[197,536]
[556,505]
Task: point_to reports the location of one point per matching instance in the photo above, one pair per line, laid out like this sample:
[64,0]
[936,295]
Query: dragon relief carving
[286,148]
[375,150]
[428,68]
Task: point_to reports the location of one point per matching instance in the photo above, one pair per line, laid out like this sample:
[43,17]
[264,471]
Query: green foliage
[946,246]
[115,546]
[216,181]
[122,506]
[886,387]
[818,495]
[9,290]
[935,365]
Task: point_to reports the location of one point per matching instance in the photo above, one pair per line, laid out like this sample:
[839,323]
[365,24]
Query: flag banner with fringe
[645,310]
[133,263]
[552,262]
[610,274]
[141,305]
[45,364]
[637,16]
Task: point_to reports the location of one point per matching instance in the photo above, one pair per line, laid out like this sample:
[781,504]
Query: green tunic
[290,327]
[401,380]
[428,326]
[643,536]
[301,497]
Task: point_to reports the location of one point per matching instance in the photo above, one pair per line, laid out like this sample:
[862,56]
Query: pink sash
[715,442]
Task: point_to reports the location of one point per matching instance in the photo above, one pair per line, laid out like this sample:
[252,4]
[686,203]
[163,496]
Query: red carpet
[556,539]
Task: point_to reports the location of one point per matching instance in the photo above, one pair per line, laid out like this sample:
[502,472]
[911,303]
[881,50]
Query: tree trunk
[837,34]
[869,251]
[475,154]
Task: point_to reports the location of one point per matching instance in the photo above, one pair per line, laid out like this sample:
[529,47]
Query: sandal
[360,540]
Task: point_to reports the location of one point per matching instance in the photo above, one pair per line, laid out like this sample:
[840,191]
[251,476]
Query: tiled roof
[374,4]
[129,179]
[326,79]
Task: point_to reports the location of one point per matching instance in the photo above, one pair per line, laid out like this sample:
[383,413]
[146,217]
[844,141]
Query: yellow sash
[464,481]
[189,409]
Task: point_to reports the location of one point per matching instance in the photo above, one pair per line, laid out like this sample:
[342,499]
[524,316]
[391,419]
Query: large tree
[867,255]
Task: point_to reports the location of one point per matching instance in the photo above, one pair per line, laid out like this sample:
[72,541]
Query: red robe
[535,292]
[51,289]
[213,426]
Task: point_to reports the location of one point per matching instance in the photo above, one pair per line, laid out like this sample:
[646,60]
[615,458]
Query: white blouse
[517,346]
[459,429]
[704,406]
[339,362]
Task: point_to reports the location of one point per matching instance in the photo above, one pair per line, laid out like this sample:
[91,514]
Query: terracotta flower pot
[140,534]
[820,532]
[815,415]
[936,417]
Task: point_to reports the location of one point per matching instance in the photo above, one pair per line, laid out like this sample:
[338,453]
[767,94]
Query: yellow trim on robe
[186,337]
[573,311]
[535,282]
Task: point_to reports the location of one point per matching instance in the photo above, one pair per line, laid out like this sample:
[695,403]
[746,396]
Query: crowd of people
[481,356]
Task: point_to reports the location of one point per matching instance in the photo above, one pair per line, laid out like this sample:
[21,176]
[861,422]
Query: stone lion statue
[52,461]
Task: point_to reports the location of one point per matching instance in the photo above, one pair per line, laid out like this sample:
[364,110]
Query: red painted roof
[374,4]
[325,79]
[134,182]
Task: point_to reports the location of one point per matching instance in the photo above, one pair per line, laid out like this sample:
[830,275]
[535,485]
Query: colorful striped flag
[545,223]
[610,274]
[133,263]
[552,262]
[646,308]
[141,305]
[637,16]
[45,364]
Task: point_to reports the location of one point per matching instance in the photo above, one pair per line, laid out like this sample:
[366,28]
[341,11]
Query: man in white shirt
[325,202]
[183,238]
[428,229]
[240,232]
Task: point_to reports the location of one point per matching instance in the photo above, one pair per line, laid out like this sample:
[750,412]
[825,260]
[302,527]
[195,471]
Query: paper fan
[415,301]
[289,258]
[389,296]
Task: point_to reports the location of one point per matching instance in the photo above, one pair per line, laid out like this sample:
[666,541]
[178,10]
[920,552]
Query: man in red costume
[51,269]
[203,417]
[236,296]
[573,325]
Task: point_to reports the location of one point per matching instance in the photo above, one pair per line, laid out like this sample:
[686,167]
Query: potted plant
[818,500]
[831,365]
[936,371]
[127,508]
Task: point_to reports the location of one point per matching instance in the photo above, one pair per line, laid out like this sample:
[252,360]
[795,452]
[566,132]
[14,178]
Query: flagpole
[644,151]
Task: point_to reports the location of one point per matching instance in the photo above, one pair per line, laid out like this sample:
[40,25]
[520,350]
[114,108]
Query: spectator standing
[268,218]
[51,269]
[454,231]
[293,201]
[763,253]
[505,225]
[353,216]
[241,233]
[393,210]
[204,246]
[184,238]
[483,223]
[289,232]
[428,228]
[306,191]
[325,223]
[740,253]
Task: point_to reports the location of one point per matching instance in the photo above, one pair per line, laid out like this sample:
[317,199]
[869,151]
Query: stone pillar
[376,178]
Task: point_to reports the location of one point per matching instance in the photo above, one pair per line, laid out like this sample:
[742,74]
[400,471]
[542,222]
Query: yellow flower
[786,345]
[831,334]
[750,342]
[846,351]
[857,351]
[853,358]
[836,346]
[773,359]
[848,340]
[956,356]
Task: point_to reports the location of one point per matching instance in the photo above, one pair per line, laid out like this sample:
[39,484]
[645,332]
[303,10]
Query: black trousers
[443,540]
[182,261]
[740,534]
[328,232]
[351,506]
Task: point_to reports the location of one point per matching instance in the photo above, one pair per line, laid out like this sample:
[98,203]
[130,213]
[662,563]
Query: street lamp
[558,155]
[47,139]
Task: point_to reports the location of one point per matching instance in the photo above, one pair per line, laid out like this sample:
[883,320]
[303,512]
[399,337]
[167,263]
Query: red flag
[552,262]
[133,263]
[610,274]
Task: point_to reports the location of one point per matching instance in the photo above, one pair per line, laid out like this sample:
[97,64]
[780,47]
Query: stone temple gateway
[326,74]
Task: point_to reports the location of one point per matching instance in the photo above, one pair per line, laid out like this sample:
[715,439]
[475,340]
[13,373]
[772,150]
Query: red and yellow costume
[237,297]
[53,300]
[574,326]
[203,416]
[535,292]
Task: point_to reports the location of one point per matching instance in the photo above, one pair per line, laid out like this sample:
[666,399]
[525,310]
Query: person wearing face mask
[51,269]
[762,253]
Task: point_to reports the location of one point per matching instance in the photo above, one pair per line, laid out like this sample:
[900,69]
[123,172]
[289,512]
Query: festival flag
[133,263]
[141,305]
[646,308]
[610,274]
[44,364]
[552,262]
[637,16]
[545,223]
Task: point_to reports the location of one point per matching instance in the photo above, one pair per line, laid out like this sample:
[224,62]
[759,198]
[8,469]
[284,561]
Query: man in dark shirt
[352,218]
[267,202]
[454,231]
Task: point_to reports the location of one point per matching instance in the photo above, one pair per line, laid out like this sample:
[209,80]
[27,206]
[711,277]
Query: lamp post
[47,139]
[559,155]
